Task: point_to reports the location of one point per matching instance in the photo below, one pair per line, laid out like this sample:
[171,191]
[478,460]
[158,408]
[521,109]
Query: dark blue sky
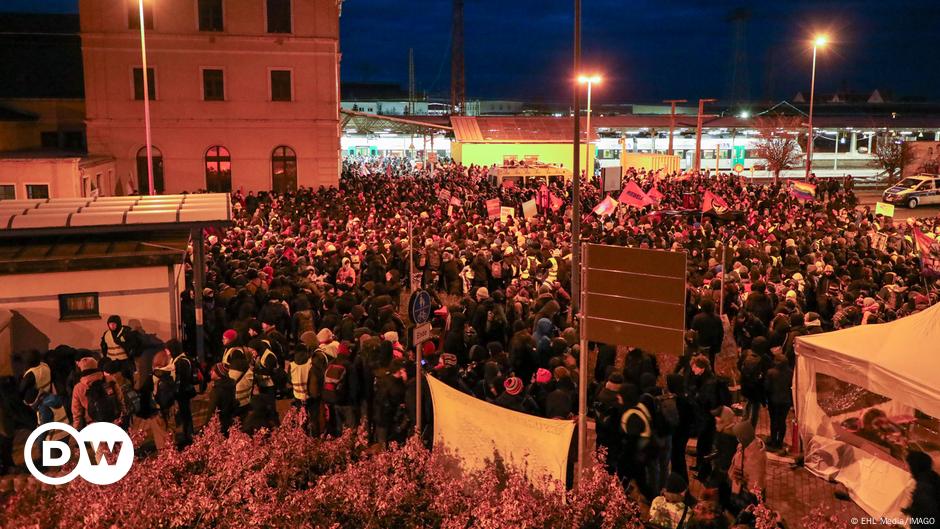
[647,49]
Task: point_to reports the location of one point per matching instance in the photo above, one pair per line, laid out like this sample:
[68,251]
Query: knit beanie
[513,385]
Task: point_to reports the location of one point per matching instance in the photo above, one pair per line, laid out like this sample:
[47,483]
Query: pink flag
[492,208]
[606,207]
[713,201]
[632,195]
[454,201]
[556,202]
[655,195]
[929,254]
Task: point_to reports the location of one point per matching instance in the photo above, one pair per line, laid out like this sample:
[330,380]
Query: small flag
[712,201]
[803,191]
[929,254]
[655,195]
[454,201]
[556,202]
[605,207]
[632,195]
[530,209]
[492,208]
[882,208]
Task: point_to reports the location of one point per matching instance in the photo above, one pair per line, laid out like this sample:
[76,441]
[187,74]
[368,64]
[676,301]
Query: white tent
[900,361]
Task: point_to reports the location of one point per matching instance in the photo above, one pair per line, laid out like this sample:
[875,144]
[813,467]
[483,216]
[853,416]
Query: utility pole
[576,240]
[411,81]
[697,162]
[458,88]
[672,120]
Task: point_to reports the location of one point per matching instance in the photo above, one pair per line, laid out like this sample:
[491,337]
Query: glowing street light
[819,42]
[589,80]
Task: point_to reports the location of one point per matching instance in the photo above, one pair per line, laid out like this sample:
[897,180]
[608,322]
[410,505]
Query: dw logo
[105,453]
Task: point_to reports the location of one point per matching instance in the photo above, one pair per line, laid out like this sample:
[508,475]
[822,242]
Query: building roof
[49,40]
[12,114]
[65,253]
[372,92]
[34,217]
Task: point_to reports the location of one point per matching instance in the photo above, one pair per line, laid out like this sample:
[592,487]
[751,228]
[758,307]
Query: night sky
[648,50]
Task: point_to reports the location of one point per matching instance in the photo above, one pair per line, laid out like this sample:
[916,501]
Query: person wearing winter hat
[327,343]
[515,399]
[812,323]
[109,403]
[120,344]
[670,510]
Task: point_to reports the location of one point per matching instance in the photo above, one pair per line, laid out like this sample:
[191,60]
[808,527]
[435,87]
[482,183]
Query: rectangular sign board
[635,297]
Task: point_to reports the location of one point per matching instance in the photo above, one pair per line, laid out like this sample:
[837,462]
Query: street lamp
[590,80]
[818,42]
[143,56]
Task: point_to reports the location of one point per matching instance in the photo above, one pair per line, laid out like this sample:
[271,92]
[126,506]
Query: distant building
[243,94]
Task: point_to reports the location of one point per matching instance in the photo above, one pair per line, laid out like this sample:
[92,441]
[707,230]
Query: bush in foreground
[284,478]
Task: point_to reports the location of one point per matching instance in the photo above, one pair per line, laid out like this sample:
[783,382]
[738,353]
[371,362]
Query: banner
[505,212]
[474,430]
[530,209]
[492,208]
[633,195]
[879,241]
[655,195]
[929,254]
[605,207]
[884,209]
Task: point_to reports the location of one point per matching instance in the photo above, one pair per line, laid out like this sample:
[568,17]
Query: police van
[914,191]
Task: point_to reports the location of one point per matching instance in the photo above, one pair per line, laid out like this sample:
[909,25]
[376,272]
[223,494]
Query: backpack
[164,394]
[131,398]
[334,383]
[103,402]
[667,413]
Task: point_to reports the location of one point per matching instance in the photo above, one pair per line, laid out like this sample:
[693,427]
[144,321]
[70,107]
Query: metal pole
[143,59]
[582,383]
[576,269]
[588,164]
[835,159]
[672,120]
[418,403]
[724,272]
[411,257]
[199,271]
[809,139]
[697,162]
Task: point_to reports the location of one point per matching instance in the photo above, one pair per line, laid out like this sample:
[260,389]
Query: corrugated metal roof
[159,211]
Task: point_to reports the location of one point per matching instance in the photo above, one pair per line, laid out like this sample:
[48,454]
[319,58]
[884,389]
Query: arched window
[283,169]
[218,170]
[143,179]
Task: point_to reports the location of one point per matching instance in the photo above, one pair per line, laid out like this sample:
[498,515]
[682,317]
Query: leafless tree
[776,143]
[892,155]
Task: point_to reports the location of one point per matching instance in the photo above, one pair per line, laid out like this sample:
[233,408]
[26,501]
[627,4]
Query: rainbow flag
[605,207]
[803,190]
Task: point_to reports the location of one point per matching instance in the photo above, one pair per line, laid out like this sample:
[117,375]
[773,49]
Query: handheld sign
[882,208]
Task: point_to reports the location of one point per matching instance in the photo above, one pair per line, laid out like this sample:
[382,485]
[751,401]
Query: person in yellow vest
[304,386]
[39,393]
[120,344]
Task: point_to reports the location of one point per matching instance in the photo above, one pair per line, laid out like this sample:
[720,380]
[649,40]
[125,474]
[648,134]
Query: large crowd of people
[304,294]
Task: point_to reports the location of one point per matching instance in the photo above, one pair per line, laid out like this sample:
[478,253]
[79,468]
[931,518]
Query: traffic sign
[419,306]
[421,334]
[738,168]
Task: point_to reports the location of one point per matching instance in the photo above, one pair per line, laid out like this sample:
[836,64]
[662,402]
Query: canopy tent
[895,370]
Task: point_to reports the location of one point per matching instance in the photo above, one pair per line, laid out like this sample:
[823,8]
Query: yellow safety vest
[243,385]
[228,352]
[115,351]
[299,379]
[265,381]
[642,414]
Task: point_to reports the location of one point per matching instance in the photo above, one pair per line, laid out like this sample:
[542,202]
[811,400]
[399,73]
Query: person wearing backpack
[269,377]
[38,392]
[164,391]
[222,396]
[186,376]
[340,391]
[96,397]
[131,395]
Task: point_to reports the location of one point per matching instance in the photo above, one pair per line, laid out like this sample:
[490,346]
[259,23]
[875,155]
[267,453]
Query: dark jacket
[222,401]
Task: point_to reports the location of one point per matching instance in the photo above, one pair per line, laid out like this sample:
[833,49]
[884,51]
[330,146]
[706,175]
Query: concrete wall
[247,122]
[53,115]
[66,177]
[148,294]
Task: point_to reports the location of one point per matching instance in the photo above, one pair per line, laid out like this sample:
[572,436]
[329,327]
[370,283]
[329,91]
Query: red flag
[633,195]
[929,254]
[556,202]
[605,207]
[492,208]
[454,201]
[713,201]
[655,195]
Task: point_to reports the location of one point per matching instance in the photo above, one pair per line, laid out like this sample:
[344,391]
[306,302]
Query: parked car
[914,191]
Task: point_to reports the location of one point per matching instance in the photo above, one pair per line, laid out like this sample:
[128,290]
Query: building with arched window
[242,94]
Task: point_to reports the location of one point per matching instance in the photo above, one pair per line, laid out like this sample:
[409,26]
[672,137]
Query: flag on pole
[712,201]
[605,207]
[655,195]
[633,195]
[803,191]
[492,208]
[929,254]
[556,202]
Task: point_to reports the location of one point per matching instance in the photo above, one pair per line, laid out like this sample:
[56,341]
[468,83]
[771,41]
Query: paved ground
[869,197]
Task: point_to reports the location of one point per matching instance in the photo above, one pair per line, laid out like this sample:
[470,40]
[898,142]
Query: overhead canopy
[899,359]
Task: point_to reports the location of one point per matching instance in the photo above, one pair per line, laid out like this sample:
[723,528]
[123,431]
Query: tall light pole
[818,42]
[672,120]
[590,80]
[143,58]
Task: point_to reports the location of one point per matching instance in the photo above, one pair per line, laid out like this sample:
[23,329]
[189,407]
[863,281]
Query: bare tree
[776,143]
[892,155]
